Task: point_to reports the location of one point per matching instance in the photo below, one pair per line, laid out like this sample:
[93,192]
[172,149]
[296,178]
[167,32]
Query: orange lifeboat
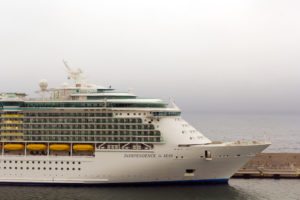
[83,147]
[36,147]
[14,147]
[59,147]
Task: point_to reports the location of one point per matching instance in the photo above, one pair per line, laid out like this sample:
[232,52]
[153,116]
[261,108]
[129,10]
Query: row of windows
[64,114]
[41,168]
[83,120]
[80,132]
[81,104]
[109,97]
[41,162]
[166,113]
[86,126]
[90,133]
[81,139]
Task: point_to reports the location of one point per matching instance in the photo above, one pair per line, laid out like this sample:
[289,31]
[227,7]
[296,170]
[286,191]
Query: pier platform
[271,165]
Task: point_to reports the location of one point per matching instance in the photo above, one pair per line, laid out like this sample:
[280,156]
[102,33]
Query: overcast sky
[218,56]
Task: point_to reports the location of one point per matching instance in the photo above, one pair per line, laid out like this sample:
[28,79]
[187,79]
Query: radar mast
[75,74]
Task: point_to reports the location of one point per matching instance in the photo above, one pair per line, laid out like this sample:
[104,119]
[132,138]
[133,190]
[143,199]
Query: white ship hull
[115,167]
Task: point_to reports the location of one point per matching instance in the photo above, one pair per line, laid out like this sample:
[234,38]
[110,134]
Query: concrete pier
[271,165]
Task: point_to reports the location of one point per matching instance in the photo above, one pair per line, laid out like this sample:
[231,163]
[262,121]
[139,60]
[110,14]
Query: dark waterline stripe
[153,183]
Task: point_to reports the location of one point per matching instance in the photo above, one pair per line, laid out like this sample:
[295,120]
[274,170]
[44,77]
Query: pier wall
[271,165]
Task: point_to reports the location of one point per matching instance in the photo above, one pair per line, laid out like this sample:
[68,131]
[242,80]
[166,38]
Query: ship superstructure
[89,134]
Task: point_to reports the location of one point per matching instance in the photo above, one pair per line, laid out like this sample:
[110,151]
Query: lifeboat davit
[83,147]
[14,147]
[36,147]
[59,147]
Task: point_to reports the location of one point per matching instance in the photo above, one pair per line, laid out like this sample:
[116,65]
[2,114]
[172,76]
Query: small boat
[83,147]
[14,147]
[36,147]
[59,147]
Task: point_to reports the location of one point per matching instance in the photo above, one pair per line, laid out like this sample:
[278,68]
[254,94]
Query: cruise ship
[81,133]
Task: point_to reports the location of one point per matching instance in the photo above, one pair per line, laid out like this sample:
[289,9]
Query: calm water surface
[282,130]
[237,189]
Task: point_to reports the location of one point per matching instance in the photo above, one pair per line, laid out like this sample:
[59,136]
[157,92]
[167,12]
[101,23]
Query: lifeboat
[83,147]
[59,147]
[36,147]
[14,147]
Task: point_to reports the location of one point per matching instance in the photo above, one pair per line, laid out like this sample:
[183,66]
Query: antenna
[172,103]
[75,74]
[66,65]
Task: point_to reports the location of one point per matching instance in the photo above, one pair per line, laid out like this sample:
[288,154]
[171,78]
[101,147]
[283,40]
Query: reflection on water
[124,193]
[239,189]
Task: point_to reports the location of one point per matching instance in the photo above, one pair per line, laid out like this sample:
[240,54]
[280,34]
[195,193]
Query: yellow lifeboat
[36,147]
[59,147]
[14,147]
[83,147]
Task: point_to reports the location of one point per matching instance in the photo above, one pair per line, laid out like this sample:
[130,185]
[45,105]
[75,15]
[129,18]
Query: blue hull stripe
[177,182]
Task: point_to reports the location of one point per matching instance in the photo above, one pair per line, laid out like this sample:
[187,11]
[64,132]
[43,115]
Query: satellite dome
[43,84]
